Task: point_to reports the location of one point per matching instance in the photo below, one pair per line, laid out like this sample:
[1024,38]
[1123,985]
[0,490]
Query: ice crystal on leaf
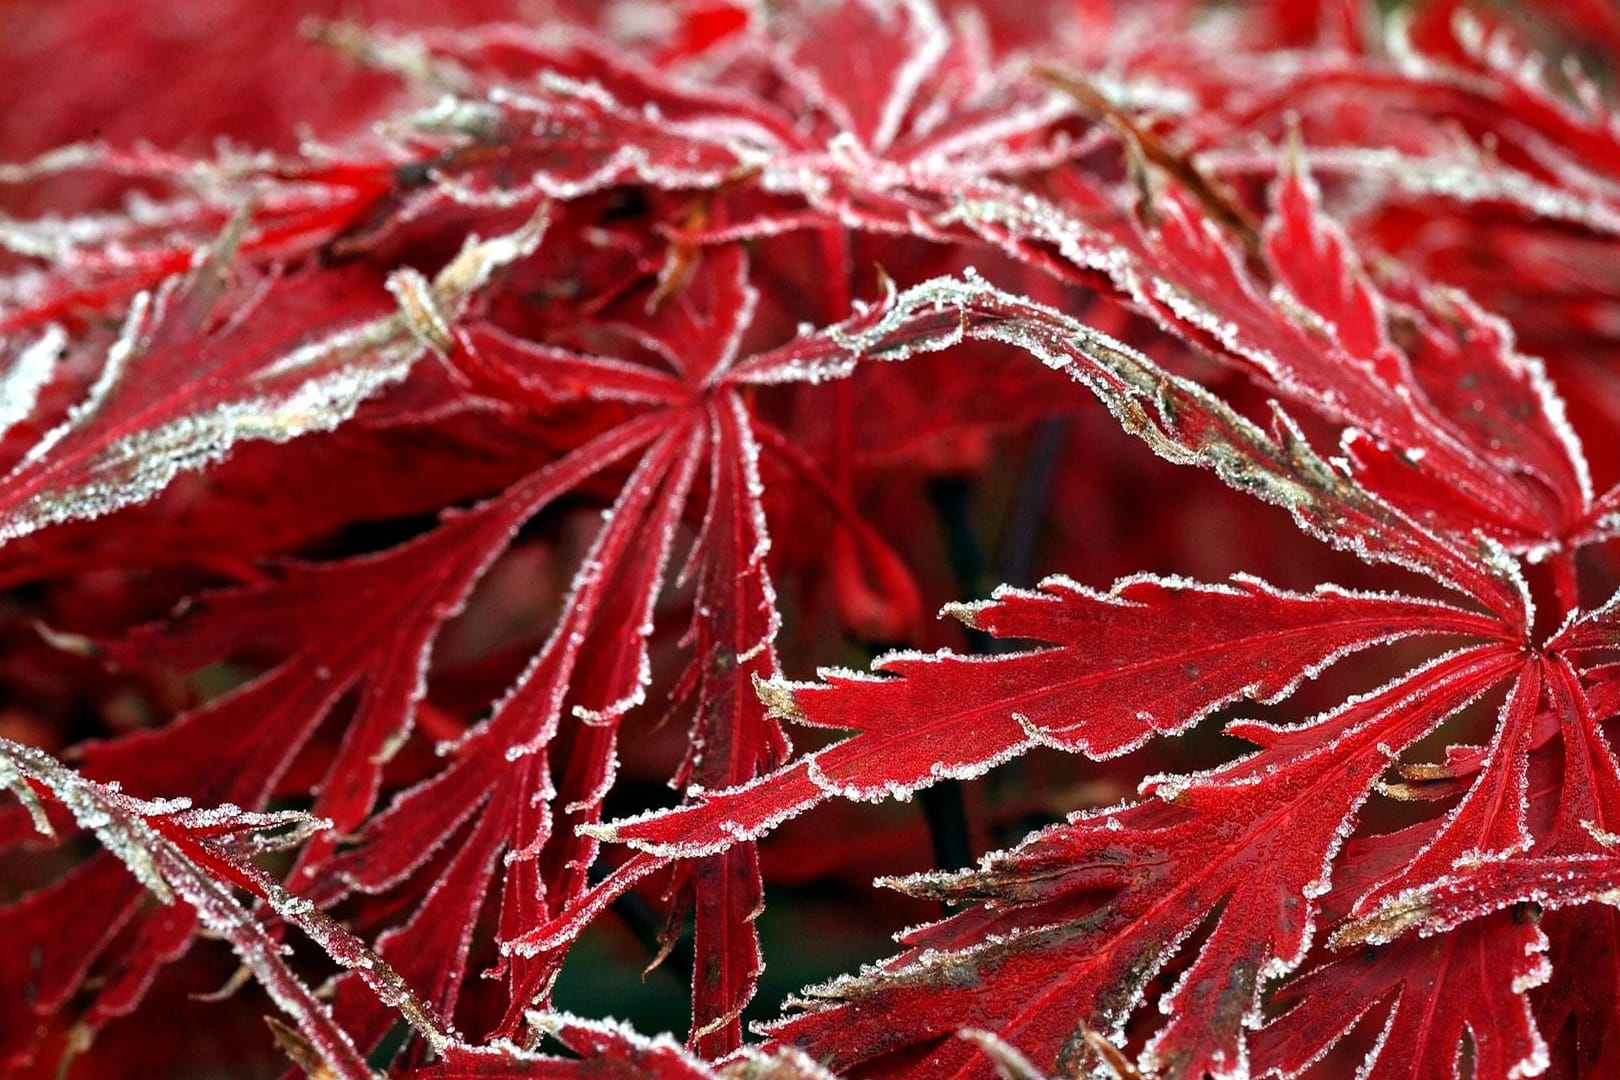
[387,511]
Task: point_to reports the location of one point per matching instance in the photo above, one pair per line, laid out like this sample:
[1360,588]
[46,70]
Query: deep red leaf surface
[439,446]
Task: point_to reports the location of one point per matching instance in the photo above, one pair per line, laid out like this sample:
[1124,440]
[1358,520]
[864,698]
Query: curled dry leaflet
[470,517]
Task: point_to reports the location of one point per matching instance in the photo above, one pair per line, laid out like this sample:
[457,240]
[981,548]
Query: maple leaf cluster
[473,494]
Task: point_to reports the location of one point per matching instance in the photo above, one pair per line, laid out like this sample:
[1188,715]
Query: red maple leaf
[410,504]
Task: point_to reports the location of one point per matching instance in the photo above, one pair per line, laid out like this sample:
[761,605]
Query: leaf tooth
[1392,918]
[1009,1063]
[420,310]
[965,612]
[777,695]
